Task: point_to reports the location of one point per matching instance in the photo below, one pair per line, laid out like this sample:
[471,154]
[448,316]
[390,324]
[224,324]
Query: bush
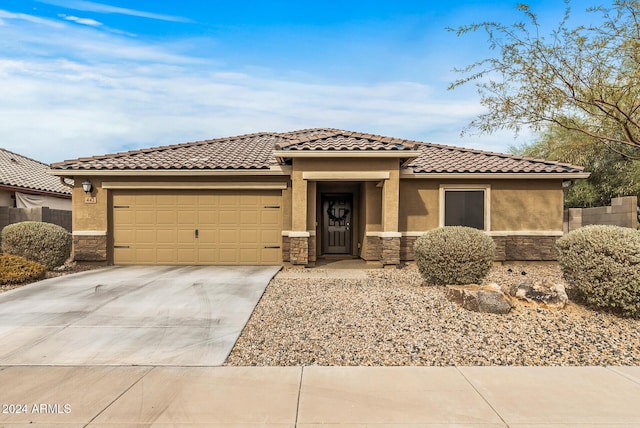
[45,243]
[454,255]
[601,264]
[16,269]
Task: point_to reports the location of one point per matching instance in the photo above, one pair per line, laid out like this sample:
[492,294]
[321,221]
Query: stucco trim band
[290,232]
[526,233]
[136,185]
[89,233]
[346,175]
[500,233]
[384,234]
[293,234]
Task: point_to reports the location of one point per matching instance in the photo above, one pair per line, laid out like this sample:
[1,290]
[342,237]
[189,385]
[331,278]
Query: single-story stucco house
[269,198]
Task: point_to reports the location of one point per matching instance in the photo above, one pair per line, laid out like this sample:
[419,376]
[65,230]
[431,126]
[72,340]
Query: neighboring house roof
[21,173]
[256,151]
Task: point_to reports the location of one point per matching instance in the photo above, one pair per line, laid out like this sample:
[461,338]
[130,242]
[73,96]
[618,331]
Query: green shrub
[45,243]
[601,264]
[454,255]
[16,269]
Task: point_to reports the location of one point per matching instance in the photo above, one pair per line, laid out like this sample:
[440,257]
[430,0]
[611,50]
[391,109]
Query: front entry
[336,215]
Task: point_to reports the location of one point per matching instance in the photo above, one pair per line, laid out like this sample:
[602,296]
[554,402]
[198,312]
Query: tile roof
[255,152]
[252,151]
[24,173]
[435,158]
[337,140]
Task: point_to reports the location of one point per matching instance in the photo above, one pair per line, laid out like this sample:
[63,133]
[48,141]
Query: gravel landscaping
[392,319]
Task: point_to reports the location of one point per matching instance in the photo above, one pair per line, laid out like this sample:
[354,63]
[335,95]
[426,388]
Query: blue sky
[82,78]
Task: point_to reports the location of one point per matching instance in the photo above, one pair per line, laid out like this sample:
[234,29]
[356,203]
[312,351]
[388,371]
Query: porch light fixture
[87,186]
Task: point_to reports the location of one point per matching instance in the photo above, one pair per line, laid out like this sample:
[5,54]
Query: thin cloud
[29,18]
[83,21]
[89,6]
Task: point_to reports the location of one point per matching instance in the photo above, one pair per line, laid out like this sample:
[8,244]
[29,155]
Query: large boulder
[540,292]
[479,298]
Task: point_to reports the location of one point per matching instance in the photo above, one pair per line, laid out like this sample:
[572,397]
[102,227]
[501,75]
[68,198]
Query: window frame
[486,188]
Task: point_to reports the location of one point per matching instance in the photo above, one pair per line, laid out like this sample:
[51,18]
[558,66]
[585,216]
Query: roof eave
[272,171]
[13,188]
[346,154]
[498,175]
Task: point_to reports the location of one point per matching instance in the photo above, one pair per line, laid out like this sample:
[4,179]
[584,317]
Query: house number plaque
[90,200]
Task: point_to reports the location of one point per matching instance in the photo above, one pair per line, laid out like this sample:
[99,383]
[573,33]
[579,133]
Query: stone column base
[299,250]
[390,250]
[90,248]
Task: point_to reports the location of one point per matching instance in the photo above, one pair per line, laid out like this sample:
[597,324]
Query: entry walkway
[135,396]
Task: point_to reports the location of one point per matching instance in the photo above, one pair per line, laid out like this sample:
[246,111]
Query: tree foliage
[613,174]
[584,79]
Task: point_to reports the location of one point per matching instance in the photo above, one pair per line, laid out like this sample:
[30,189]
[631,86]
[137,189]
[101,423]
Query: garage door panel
[270,217]
[207,217]
[187,199]
[145,236]
[248,255]
[228,236]
[124,236]
[228,217]
[228,199]
[270,256]
[186,217]
[145,218]
[145,255]
[165,216]
[207,201]
[168,200]
[166,236]
[123,217]
[166,255]
[123,199]
[270,199]
[233,227]
[186,255]
[145,200]
[250,200]
[208,236]
[249,236]
[270,237]
[185,236]
[228,255]
[249,217]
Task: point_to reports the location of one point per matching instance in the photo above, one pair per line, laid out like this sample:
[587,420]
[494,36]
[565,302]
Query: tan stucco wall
[391,202]
[522,205]
[516,205]
[85,216]
[345,164]
[418,205]
[373,204]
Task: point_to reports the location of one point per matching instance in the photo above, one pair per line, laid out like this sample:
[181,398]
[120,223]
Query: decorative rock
[541,292]
[479,298]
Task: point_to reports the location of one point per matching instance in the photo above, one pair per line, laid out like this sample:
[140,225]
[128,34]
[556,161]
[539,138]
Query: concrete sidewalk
[135,396]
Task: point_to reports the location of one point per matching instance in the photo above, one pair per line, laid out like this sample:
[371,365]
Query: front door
[337,214]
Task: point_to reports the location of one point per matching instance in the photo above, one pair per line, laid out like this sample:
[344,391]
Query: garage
[196,227]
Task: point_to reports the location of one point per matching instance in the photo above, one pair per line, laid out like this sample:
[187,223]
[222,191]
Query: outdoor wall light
[87,186]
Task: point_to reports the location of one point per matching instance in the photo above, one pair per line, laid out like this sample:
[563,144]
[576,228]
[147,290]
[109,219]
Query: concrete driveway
[136,315]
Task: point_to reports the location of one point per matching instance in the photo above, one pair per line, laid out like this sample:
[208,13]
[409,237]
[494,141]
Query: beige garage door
[197,227]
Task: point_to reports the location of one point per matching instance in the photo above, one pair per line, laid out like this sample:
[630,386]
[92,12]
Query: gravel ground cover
[392,319]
